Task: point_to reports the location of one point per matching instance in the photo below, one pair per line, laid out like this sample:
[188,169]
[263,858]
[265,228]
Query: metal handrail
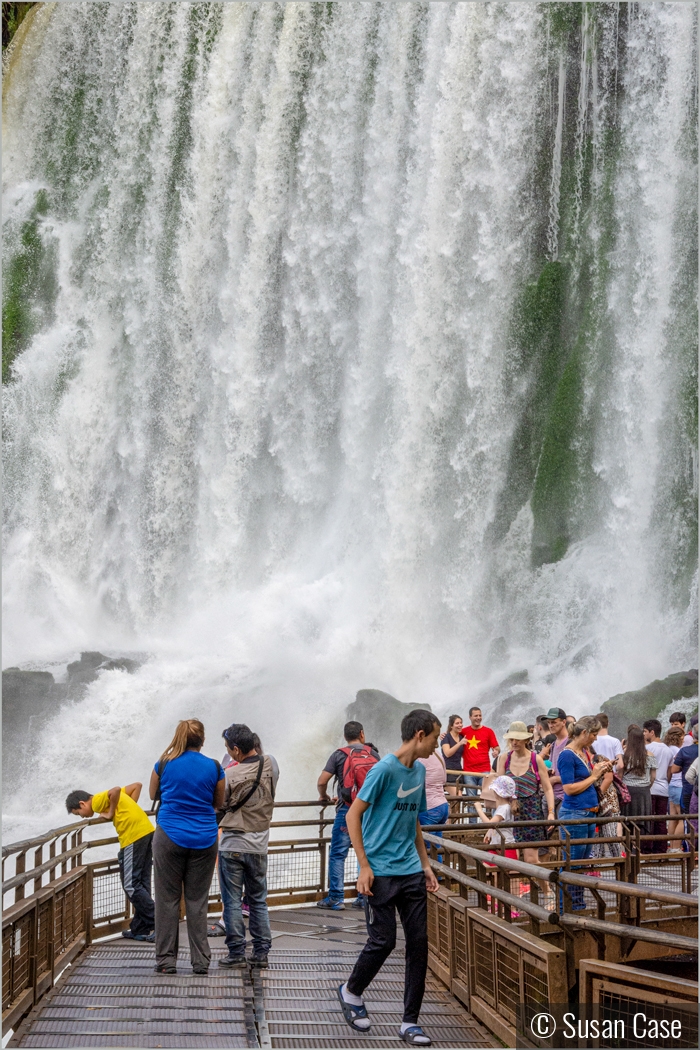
[635,933]
[483,889]
[541,874]
[533,871]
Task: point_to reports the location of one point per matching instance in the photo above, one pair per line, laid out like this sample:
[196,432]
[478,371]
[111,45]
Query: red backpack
[360,760]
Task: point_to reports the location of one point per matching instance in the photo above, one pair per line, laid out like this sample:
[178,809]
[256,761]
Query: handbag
[623,792]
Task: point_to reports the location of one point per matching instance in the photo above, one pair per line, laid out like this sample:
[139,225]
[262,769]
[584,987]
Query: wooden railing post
[38,859]
[20,862]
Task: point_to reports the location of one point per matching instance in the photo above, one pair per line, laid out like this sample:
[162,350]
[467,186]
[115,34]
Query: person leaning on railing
[135,832]
[579,782]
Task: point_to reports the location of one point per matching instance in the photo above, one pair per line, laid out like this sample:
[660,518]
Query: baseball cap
[556,712]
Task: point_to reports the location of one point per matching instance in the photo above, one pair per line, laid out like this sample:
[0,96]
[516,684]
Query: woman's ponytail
[189,733]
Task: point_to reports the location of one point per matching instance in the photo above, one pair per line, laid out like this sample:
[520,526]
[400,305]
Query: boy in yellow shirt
[135,833]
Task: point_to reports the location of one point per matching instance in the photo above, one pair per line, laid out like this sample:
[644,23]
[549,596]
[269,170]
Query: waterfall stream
[347,345]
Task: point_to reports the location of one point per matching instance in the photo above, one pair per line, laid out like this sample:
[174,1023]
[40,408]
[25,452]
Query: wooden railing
[57,902]
[503,935]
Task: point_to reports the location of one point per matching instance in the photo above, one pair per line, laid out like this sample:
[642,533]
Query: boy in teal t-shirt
[395,873]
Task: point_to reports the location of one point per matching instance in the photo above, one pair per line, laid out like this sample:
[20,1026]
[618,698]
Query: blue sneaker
[330,905]
[358,903]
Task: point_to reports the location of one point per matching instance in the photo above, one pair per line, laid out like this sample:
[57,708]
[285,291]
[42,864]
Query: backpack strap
[534,766]
[249,794]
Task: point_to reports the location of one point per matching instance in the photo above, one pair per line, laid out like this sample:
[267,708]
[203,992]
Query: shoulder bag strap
[249,794]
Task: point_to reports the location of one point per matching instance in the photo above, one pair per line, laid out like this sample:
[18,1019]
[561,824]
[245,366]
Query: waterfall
[346,345]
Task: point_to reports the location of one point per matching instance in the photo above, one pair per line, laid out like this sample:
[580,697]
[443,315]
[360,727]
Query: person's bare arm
[675,769]
[133,790]
[546,786]
[353,821]
[501,764]
[219,792]
[322,785]
[652,777]
[431,881]
[450,749]
[482,814]
[113,796]
[153,785]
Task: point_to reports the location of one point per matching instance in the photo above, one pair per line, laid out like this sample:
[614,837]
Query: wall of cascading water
[346,345]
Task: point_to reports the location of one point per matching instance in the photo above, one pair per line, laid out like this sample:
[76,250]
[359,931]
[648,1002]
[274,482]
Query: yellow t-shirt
[130,821]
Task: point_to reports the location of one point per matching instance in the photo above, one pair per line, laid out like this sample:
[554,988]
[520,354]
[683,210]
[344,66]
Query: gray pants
[177,868]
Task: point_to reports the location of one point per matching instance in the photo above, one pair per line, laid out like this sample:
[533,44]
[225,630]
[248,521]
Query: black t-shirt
[453,761]
[336,765]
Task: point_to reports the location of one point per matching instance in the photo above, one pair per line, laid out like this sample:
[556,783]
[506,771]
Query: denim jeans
[236,871]
[579,851]
[340,845]
[471,790]
[436,815]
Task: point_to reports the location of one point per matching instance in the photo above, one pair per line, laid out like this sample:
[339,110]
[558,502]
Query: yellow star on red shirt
[473,742]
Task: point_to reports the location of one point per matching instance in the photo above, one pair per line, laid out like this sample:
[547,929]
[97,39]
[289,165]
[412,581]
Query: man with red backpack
[349,765]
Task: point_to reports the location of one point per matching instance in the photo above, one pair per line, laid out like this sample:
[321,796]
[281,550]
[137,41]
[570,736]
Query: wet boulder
[381,715]
[649,702]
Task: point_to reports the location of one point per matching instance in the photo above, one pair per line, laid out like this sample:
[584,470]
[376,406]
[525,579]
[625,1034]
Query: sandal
[353,1013]
[415,1036]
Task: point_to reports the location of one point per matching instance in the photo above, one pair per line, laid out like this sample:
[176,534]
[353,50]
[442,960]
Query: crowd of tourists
[559,769]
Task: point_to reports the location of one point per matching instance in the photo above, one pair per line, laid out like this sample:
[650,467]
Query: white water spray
[263,427]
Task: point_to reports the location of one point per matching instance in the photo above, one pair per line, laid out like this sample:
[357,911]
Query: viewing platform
[112,997]
[504,937]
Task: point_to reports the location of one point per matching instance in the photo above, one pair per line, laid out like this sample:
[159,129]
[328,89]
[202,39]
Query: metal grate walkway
[110,997]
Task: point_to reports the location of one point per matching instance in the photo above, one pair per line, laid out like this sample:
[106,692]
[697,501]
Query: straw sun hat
[518,731]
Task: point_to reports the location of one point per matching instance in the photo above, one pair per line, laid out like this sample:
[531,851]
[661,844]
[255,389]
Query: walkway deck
[111,997]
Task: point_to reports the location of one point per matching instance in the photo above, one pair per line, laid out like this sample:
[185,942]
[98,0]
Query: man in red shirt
[480,744]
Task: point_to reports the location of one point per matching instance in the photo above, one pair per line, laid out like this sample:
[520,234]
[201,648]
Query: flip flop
[415,1036]
[353,1013]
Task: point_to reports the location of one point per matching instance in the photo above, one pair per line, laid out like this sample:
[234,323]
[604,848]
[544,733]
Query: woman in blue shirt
[579,779]
[191,789]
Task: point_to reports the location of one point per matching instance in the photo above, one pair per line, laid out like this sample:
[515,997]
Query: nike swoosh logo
[402,794]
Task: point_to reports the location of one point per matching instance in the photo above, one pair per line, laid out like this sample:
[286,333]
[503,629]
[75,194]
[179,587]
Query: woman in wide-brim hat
[531,782]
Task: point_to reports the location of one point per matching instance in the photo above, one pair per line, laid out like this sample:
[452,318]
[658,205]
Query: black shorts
[455,776]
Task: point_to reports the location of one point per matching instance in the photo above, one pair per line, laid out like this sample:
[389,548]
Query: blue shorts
[674,793]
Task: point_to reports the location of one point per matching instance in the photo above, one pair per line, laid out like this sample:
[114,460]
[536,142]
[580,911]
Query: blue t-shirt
[572,769]
[186,812]
[396,795]
[685,758]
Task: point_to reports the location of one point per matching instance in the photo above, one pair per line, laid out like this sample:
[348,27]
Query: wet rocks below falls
[30,698]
